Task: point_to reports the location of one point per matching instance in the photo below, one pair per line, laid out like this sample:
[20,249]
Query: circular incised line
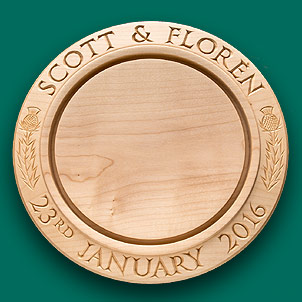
[167,240]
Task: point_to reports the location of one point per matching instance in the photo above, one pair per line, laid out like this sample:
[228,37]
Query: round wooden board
[150,152]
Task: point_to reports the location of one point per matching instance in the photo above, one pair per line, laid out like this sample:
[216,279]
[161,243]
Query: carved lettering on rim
[144,267]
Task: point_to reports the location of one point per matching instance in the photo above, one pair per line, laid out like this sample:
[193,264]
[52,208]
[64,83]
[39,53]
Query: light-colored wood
[150,152]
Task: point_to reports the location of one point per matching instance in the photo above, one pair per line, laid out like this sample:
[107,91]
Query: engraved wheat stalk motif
[26,151]
[274,150]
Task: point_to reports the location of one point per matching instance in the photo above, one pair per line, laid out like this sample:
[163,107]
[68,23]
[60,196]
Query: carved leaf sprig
[274,161]
[27,160]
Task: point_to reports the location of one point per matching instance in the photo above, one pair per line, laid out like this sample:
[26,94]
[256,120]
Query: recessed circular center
[145,141]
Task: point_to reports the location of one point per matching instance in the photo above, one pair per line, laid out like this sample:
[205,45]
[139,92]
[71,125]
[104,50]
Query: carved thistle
[274,149]
[26,149]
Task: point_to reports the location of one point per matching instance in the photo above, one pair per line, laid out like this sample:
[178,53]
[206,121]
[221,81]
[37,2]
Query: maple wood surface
[158,147]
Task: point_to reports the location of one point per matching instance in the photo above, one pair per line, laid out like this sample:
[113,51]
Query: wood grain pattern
[150,152]
[148,144]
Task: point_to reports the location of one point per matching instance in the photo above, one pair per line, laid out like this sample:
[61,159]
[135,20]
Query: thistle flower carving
[274,149]
[26,149]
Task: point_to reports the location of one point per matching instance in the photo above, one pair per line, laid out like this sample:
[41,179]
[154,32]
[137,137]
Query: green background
[35,32]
